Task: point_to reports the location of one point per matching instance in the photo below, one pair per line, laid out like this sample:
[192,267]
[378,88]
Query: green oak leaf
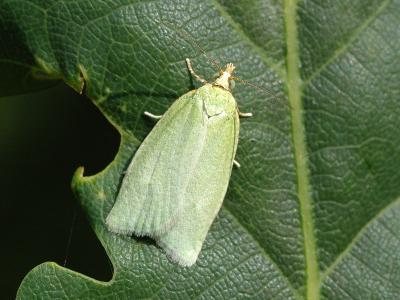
[314,211]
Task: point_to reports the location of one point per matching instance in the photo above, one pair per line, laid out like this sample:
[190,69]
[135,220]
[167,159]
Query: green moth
[178,178]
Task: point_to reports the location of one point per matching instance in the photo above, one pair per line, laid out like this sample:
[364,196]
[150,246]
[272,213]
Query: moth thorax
[223,79]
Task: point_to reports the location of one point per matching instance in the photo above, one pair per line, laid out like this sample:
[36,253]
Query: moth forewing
[177,180]
[183,241]
[159,169]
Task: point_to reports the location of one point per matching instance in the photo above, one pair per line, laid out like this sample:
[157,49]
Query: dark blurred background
[44,137]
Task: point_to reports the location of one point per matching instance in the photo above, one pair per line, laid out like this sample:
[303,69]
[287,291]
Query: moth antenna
[214,62]
[183,34]
[260,89]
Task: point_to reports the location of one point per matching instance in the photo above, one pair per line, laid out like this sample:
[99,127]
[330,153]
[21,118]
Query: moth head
[225,79]
[230,68]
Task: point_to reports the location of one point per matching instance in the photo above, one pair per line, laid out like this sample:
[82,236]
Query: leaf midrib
[294,86]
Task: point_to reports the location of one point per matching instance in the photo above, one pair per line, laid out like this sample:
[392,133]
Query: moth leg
[235,162]
[245,115]
[150,115]
[193,73]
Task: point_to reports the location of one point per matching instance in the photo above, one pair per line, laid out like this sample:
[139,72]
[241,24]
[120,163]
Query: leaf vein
[349,42]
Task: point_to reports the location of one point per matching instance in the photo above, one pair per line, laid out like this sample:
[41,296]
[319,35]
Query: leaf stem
[299,141]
